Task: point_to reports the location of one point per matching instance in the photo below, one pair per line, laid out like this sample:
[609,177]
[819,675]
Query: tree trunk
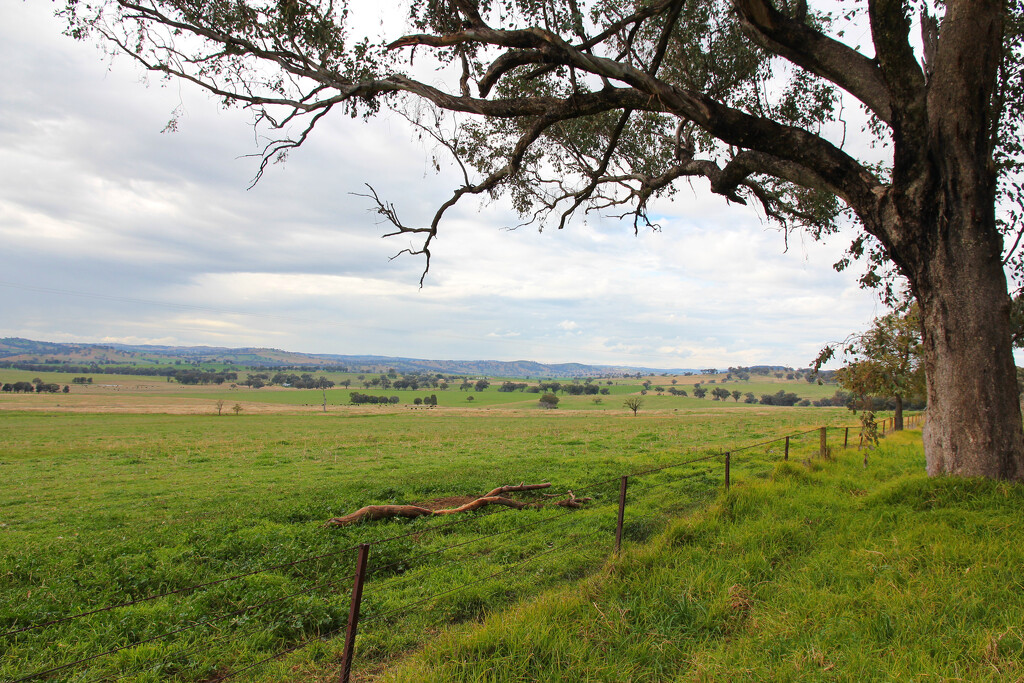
[974,418]
[897,416]
[944,183]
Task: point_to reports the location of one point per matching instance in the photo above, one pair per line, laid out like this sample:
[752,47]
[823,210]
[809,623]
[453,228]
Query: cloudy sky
[113,230]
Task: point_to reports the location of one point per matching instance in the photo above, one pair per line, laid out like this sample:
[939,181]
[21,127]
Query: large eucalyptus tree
[570,107]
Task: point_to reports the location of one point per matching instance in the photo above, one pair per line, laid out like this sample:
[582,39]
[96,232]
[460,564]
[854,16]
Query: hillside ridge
[17,349]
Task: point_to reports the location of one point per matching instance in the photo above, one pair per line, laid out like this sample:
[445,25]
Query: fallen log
[518,487]
[483,502]
[572,501]
[374,512]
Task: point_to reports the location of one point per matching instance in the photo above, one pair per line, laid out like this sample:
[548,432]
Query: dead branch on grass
[493,497]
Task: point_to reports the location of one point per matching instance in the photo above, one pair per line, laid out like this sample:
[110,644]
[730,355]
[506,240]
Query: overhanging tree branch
[818,53]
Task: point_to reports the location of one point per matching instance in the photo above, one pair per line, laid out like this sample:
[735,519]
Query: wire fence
[495,552]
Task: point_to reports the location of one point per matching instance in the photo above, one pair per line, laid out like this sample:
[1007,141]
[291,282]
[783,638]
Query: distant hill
[14,349]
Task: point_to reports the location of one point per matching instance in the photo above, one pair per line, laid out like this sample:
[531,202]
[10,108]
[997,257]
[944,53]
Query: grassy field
[135,491]
[128,393]
[103,509]
[827,571]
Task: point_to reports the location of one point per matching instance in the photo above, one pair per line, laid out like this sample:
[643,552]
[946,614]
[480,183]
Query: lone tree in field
[323,384]
[634,403]
[570,107]
[886,361]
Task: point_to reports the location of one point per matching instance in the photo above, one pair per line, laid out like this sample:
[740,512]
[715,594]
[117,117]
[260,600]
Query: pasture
[110,507]
[144,394]
[824,571]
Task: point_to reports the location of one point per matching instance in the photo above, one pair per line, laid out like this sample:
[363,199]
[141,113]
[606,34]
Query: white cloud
[96,201]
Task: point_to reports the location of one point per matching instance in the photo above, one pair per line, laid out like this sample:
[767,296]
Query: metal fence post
[622,513]
[846,437]
[353,613]
[727,459]
[786,456]
[823,447]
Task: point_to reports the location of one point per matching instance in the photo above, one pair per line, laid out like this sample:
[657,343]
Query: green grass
[158,387]
[826,571]
[102,509]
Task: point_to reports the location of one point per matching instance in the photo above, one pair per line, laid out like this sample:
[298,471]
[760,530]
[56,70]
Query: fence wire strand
[530,525]
[504,570]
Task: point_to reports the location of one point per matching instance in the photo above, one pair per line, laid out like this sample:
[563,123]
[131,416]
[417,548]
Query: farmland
[133,490]
[131,393]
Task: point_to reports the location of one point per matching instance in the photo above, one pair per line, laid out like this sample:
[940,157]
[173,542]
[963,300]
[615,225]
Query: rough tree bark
[939,226]
[974,418]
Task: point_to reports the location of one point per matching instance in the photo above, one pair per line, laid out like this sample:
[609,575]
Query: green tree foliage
[780,398]
[1017,321]
[357,398]
[634,403]
[885,361]
[548,401]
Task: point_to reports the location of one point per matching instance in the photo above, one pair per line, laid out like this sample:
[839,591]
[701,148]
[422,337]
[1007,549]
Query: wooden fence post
[786,456]
[727,459]
[353,613]
[846,437]
[622,514]
[823,447]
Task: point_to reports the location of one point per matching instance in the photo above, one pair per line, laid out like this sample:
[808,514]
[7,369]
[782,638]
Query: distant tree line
[202,377]
[781,398]
[94,368]
[303,381]
[847,399]
[410,381]
[37,386]
[356,399]
[587,388]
